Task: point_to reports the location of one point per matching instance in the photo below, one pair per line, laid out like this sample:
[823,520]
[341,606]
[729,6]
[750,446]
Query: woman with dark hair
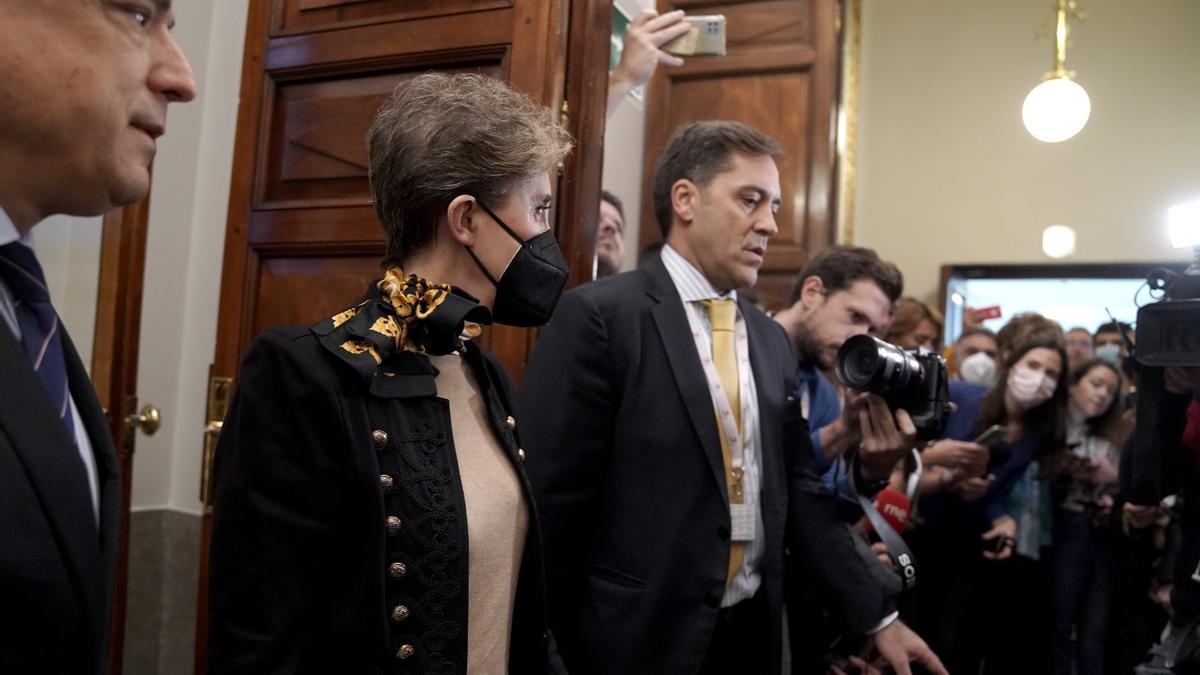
[969,586]
[372,512]
[1083,545]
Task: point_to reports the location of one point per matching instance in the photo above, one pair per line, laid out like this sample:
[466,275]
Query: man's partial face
[1079,346]
[1109,338]
[83,99]
[974,344]
[732,218]
[610,240]
[829,319]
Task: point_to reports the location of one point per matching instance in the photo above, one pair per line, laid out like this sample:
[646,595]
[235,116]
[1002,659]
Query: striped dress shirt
[8,313]
[694,289]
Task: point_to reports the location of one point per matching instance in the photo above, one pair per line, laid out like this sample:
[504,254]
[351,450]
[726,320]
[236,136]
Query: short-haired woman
[371,510]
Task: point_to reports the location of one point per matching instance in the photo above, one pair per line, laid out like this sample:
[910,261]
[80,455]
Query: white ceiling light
[1058,108]
[1058,241]
[1183,224]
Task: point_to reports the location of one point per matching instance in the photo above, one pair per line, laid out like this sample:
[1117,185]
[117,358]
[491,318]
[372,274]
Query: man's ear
[684,198]
[462,219]
[812,292]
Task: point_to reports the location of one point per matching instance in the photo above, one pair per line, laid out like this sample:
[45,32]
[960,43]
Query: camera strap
[903,561]
[902,558]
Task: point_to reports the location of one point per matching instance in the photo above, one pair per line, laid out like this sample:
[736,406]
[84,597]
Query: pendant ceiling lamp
[1058,108]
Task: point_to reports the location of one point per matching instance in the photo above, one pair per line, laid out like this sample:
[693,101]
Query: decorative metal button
[397,570]
[405,652]
[379,438]
[385,481]
[521,454]
[393,525]
[512,423]
[399,613]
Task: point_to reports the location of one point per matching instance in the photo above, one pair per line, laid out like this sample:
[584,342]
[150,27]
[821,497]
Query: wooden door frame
[115,372]
[587,102]
[241,199]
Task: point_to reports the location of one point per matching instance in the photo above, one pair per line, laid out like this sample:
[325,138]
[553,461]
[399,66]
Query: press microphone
[893,505]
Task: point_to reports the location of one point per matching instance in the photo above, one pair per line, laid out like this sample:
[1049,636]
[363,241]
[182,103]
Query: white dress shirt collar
[8,231]
[693,286]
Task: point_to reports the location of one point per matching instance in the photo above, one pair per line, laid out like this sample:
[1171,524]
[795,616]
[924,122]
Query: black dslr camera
[915,380]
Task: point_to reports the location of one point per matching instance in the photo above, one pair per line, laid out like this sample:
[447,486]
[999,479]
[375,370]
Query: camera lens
[869,364]
[859,367]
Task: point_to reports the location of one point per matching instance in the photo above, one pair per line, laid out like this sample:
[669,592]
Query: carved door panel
[302,240]
[780,76]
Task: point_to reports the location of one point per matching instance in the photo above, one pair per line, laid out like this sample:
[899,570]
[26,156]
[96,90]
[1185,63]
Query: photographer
[841,292]
[967,593]
[1166,446]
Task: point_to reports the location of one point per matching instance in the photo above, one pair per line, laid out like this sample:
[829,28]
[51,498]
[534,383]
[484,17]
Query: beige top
[497,518]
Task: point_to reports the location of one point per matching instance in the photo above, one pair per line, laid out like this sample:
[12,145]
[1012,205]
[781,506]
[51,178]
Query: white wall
[183,254]
[948,174]
[68,249]
[624,147]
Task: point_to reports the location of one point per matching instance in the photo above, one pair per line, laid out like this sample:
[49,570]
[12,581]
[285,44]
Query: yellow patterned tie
[722,314]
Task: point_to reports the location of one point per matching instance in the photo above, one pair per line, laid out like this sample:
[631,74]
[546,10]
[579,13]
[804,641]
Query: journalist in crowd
[968,539]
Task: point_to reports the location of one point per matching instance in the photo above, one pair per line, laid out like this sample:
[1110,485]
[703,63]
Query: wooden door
[302,240]
[780,76]
[114,372]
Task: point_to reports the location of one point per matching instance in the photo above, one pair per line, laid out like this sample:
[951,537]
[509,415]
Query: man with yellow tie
[664,445]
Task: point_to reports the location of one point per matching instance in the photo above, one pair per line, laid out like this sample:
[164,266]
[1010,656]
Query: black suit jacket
[56,570]
[627,468]
[300,556]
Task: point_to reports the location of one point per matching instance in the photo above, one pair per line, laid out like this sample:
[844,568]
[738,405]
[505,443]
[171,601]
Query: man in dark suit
[83,96]
[668,452]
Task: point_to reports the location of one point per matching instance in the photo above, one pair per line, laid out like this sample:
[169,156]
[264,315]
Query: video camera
[1168,331]
[914,380]
[1168,335]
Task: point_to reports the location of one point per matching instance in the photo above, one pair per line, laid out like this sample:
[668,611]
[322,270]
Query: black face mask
[529,289]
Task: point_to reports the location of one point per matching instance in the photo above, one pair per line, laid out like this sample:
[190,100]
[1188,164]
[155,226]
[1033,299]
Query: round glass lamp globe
[1056,110]
[1058,241]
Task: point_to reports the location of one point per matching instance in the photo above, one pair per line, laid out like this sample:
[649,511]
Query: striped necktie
[41,335]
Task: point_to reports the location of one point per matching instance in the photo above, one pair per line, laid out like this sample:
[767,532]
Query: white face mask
[1030,388]
[978,368]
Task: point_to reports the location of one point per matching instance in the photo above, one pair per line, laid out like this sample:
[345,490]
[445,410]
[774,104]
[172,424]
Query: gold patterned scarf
[401,317]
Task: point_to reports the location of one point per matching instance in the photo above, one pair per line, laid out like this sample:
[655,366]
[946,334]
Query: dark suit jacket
[300,556]
[56,570]
[626,464]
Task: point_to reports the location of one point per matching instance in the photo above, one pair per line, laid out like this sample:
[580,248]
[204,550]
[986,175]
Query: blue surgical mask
[1110,353]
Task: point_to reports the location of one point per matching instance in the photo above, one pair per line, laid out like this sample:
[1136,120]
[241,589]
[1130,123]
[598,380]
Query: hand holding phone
[706,37]
[991,436]
[998,451]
